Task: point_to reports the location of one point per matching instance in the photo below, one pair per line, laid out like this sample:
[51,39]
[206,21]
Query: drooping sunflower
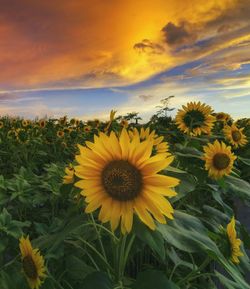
[234,242]
[222,116]
[32,263]
[69,175]
[195,118]
[1,124]
[120,176]
[219,159]
[235,135]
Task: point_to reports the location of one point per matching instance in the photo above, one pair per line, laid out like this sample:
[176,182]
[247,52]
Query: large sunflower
[219,159]
[235,135]
[234,242]
[195,118]
[120,175]
[32,262]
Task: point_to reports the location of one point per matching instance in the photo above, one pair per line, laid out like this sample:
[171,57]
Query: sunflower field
[125,205]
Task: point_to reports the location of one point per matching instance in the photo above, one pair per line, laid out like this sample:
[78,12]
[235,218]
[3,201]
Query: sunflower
[234,242]
[120,175]
[1,124]
[69,175]
[22,135]
[32,263]
[42,123]
[195,118]
[111,119]
[60,133]
[219,159]
[147,134]
[222,116]
[124,123]
[87,128]
[235,135]
[25,123]
[162,147]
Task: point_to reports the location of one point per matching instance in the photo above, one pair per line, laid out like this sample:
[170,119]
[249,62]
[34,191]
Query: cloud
[177,34]
[146,97]
[94,44]
[148,46]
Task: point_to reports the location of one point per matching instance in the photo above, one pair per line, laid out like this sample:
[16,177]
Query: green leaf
[153,239]
[77,269]
[244,160]
[229,284]
[238,186]
[97,280]
[153,280]
[187,233]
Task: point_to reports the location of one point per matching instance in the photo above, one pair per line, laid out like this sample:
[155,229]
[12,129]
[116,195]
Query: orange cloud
[63,43]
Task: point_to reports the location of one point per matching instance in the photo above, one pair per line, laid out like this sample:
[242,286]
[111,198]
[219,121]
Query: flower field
[125,205]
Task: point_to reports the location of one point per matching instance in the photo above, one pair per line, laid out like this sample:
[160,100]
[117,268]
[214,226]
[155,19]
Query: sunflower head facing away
[222,116]
[32,263]
[219,159]
[121,177]
[235,243]
[235,135]
[195,118]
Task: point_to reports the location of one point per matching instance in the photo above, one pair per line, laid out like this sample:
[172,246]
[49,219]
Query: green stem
[197,271]
[100,241]
[97,253]
[99,237]
[85,251]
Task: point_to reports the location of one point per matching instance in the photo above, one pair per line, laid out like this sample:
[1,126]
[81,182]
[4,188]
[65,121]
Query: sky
[83,58]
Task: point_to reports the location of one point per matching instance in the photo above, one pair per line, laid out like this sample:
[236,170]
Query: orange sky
[68,45]
[54,43]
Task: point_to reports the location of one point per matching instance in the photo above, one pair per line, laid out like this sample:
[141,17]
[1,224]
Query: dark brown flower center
[221,161]
[236,135]
[194,119]
[121,180]
[29,267]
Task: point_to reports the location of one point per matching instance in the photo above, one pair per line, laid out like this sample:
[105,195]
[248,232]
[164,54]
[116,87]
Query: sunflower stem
[97,253]
[100,240]
[121,266]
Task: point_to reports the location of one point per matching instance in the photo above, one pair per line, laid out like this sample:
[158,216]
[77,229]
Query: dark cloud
[177,34]
[146,97]
[148,46]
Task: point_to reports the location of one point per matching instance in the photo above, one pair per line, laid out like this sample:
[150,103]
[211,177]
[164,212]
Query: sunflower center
[194,119]
[121,180]
[29,267]
[221,161]
[236,135]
